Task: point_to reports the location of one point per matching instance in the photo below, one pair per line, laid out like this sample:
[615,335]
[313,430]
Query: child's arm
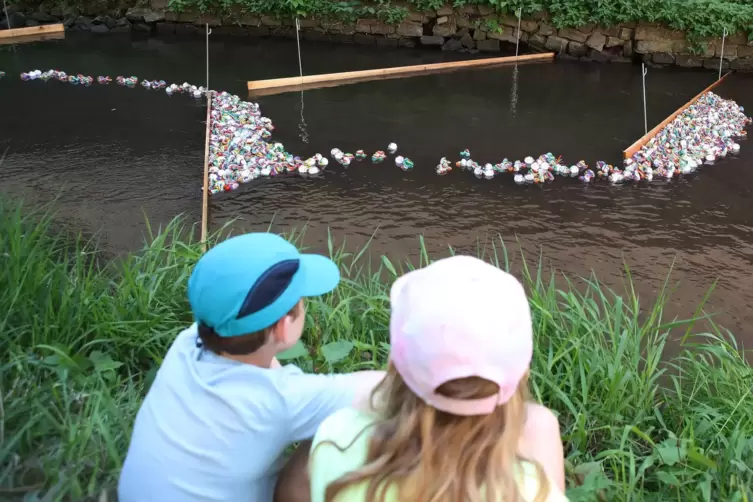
[312,398]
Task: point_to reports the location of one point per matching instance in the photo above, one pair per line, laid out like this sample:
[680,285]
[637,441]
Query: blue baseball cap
[249,282]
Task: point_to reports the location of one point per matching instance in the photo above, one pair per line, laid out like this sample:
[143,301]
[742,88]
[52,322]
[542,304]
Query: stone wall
[468,28]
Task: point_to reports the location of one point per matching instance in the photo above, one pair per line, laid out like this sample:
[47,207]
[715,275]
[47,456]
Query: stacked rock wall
[468,28]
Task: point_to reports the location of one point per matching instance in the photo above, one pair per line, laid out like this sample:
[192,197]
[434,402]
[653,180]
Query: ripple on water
[116,154]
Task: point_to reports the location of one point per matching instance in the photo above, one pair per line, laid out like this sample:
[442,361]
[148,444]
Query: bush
[697,17]
[82,337]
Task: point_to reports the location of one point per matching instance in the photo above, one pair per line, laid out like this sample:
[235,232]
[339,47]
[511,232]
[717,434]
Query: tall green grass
[82,336]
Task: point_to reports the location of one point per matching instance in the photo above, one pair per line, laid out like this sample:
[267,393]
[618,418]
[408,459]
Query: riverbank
[84,335]
[668,35]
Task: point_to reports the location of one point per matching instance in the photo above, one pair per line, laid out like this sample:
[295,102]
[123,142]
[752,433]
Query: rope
[298,41]
[302,126]
[517,42]
[514,92]
[209,32]
[7,17]
[721,57]
[645,114]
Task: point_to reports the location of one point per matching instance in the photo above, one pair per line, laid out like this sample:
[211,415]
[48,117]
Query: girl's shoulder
[345,427]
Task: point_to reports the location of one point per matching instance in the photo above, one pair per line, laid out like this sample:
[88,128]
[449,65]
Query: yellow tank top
[328,463]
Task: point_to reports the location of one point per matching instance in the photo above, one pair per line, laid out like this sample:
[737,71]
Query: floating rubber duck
[392,148]
[399,160]
[465,154]
[322,161]
[360,155]
[378,157]
[407,164]
[313,170]
[349,157]
[443,167]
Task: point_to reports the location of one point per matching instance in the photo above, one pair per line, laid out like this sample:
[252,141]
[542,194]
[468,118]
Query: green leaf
[670,452]
[103,362]
[388,265]
[294,352]
[336,351]
[587,468]
[668,478]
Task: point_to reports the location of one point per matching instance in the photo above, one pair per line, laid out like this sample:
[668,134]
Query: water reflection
[118,154]
[514,92]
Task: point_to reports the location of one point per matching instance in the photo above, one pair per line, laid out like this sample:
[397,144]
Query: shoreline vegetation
[83,334]
[702,18]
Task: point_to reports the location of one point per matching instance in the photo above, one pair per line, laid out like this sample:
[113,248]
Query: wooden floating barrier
[635,147]
[205,200]
[281,85]
[32,34]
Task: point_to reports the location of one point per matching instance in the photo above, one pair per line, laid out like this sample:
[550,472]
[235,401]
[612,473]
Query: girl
[452,421]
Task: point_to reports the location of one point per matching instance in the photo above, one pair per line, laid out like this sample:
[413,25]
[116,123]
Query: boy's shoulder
[189,367]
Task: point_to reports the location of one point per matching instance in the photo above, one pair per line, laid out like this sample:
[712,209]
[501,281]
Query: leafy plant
[83,337]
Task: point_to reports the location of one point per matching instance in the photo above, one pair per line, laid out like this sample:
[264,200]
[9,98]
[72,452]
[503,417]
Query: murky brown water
[118,154]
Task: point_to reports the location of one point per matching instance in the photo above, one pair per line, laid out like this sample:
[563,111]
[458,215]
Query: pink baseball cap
[456,318]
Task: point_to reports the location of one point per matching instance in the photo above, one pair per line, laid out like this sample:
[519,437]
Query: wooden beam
[32,34]
[205,199]
[635,147]
[280,85]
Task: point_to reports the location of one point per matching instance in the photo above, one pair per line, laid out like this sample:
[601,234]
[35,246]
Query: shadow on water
[118,154]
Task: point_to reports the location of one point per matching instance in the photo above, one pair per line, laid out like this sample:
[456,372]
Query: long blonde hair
[432,456]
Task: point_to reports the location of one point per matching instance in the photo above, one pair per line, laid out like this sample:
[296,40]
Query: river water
[113,155]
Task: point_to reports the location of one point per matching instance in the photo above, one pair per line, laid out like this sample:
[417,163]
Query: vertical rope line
[302,126]
[7,18]
[645,114]
[721,57]
[208,33]
[517,42]
[298,41]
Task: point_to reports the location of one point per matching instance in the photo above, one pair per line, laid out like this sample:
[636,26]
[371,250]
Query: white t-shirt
[213,429]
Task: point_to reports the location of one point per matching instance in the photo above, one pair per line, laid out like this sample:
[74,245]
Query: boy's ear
[281,329]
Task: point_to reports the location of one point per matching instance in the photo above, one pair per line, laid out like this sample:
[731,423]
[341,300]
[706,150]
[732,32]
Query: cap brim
[321,275]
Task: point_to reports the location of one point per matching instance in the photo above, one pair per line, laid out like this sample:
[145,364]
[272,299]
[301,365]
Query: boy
[222,410]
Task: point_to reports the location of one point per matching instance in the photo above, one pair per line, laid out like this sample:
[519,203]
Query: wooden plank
[635,147]
[32,38]
[280,85]
[205,199]
[32,34]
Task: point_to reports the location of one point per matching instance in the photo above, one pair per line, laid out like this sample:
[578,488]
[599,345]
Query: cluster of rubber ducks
[57,75]
[707,131]
[345,159]
[540,170]
[133,81]
[240,151]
